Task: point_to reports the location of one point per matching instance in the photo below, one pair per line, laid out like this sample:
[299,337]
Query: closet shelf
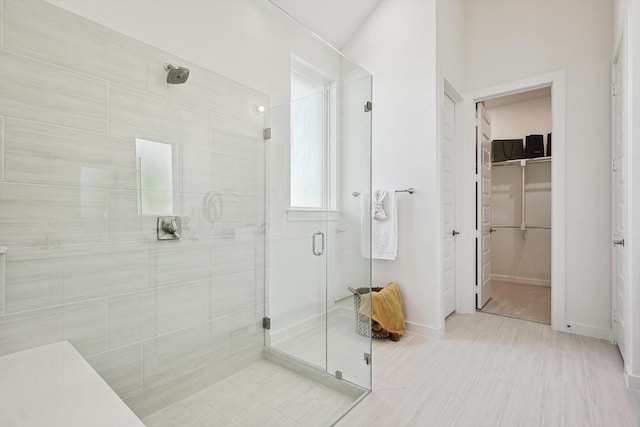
[527,161]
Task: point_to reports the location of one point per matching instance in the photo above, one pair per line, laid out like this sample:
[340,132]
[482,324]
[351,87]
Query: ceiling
[333,20]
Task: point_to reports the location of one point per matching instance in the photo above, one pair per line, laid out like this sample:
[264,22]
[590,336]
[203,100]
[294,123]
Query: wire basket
[363,323]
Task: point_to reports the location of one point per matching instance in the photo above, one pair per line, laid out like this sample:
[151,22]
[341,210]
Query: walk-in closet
[520,206]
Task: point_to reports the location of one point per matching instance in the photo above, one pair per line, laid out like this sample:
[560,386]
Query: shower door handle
[314,240]
[618,242]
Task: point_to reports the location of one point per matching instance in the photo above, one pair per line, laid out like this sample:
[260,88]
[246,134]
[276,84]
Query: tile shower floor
[335,346]
[263,394]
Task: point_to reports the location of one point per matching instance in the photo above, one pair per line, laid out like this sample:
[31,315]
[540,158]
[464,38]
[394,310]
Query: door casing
[467,195]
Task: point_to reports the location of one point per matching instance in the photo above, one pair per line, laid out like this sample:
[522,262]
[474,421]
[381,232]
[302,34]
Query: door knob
[492,230]
[454,233]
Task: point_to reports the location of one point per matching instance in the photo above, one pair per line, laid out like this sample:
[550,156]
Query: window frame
[329,171]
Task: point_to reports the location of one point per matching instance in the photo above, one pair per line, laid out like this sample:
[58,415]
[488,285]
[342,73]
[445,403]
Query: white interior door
[483,216]
[448,133]
[619,206]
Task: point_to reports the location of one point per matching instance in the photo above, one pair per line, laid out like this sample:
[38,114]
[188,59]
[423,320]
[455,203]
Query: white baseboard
[586,330]
[521,280]
[424,330]
[633,381]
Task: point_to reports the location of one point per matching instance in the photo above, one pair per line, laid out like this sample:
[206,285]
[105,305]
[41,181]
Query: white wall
[513,257]
[503,42]
[450,41]
[507,41]
[397,44]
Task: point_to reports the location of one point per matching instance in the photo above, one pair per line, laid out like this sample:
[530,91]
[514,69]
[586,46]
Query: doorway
[471,249]
[514,216]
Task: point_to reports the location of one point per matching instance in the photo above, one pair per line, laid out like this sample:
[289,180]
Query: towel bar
[409,190]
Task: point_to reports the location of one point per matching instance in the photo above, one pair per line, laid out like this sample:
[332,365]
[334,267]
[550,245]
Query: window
[310,113]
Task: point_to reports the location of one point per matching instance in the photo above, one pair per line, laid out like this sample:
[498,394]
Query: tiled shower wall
[157,319]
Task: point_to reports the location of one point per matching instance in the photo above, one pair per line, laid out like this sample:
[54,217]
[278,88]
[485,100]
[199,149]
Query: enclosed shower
[189,229]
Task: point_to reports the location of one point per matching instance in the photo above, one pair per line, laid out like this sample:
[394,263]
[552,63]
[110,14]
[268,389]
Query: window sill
[313,215]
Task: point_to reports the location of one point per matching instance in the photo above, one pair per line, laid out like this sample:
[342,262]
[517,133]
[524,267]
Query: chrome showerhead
[176,75]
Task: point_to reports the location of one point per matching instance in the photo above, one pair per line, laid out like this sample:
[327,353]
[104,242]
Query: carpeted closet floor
[526,302]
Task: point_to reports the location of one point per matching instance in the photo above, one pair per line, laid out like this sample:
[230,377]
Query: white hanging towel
[378,205]
[365,224]
[384,232]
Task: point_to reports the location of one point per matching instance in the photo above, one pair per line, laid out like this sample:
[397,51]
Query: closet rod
[519,161]
[538,227]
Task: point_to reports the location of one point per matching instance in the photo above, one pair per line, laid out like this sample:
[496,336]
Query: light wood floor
[496,371]
[526,302]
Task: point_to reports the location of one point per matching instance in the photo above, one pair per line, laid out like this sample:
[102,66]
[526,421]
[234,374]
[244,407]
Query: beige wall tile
[132,318]
[205,89]
[31,281]
[182,351]
[42,215]
[35,90]
[177,262]
[85,326]
[29,329]
[105,270]
[125,222]
[2,148]
[47,154]
[139,114]
[121,368]
[181,306]
[51,34]
[162,395]
[232,293]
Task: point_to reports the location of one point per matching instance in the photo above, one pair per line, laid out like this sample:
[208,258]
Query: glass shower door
[317,251]
[297,263]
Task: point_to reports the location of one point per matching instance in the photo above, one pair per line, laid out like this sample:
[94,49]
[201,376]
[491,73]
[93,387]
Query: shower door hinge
[368,106]
[266,134]
[614,165]
[367,358]
[266,323]
[614,90]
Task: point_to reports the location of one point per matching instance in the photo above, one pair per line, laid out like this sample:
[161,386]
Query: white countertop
[53,386]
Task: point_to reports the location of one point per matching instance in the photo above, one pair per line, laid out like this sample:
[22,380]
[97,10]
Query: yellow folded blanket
[387,309]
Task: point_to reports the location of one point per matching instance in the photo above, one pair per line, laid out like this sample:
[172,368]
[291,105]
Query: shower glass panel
[315,254]
[176,327]
[349,264]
